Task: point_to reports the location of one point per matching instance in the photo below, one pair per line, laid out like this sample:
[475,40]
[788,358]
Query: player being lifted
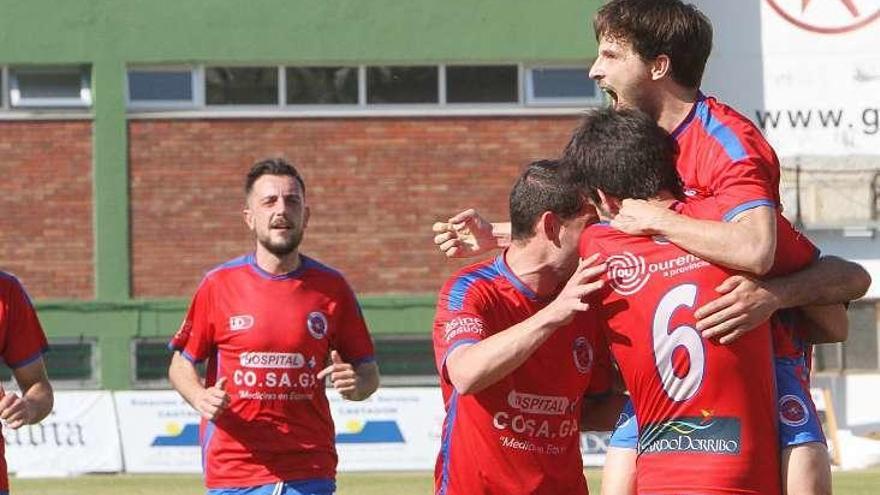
[651,56]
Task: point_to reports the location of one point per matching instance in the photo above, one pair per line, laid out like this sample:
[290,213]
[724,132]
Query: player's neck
[674,106]
[277,265]
[533,268]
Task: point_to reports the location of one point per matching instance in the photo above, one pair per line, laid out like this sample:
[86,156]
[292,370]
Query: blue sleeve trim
[364,360]
[29,359]
[455,346]
[748,205]
[189,357]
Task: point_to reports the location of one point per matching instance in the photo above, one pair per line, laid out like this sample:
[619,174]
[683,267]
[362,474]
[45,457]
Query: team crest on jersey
[240,322]
[582,352]
[793,411]
[627,273]
[316,322]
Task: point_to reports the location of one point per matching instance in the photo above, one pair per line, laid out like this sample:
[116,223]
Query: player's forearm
[473,368]
[825,324]
[184,378]
[747,244]
[830,280]
[40,399]
[368,380]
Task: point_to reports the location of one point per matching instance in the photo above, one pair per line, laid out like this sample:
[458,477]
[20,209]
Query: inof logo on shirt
[316,322]
[240,322]
[582,352]
[537,404]
[708,434]
[461,325]
[793,411]
[627,273]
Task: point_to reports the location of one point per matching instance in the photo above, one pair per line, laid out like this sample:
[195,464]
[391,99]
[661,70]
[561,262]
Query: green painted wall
[111,34]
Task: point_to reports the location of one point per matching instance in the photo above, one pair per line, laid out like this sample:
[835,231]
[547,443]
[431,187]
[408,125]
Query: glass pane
[482,84]
[562,83]
[861,348]
[151,360]
[322,85]
[160,85]
[69,361]
[409,355]
[402,84]
[62,83]
[241,86]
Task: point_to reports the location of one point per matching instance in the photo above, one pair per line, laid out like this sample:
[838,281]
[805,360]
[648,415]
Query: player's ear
[661,67]
[550,225]
[248,216]
[307,212]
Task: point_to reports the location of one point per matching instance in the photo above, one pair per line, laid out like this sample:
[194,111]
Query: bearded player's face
[277,213]
[622,74]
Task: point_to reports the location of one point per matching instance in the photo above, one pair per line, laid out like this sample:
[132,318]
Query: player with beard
[267,323]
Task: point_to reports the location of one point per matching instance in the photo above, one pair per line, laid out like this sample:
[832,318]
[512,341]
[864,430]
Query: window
[68,86]
[389,85]
[241,86]
[482,84]
[560,86]
[161,87]
[406,359]
[861,351]
[149,360]
[71,363]
[322,85]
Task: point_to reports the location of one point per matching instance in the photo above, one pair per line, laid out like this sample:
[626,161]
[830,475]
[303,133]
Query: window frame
[530,100]
[16,101]
[197,89]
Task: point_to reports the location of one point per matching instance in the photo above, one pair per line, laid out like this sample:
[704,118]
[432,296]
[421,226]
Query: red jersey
[270,335]
[794,252]
[723,155]
[705,411]
[519,435]
[21,337]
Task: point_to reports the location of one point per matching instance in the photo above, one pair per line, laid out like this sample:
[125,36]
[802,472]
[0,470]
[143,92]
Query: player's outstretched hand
[465,235]
[743,304]
[212,401]
[582,283]
[639,217]
[14,409]
[342,376]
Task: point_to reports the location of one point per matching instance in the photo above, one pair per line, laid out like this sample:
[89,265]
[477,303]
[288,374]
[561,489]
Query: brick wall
[374,186]
[46,206]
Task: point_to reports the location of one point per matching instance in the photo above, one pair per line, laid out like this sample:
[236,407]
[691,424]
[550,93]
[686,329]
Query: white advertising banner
[395,429]
[79,436]
[160,432]
[806,71]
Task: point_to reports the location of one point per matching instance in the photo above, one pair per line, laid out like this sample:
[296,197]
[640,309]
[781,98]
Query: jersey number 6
[666,341]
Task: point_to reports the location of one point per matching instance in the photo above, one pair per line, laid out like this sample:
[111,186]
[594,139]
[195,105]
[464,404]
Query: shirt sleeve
[794,251]
[25,340]
[195,338]
[351,337]
[459,321]
[744,184]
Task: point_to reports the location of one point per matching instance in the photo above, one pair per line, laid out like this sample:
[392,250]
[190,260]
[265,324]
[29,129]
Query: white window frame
[196,89]
[441,86]
[85,90]
[530,100]
[329,107]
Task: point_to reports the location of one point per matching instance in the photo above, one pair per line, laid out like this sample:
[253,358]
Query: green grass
[865,482]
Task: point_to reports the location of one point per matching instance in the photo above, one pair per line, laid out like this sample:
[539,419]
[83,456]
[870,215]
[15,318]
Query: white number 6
[666,341]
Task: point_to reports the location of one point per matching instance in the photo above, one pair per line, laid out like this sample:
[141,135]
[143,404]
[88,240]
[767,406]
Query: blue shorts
[798,421]
[299,487]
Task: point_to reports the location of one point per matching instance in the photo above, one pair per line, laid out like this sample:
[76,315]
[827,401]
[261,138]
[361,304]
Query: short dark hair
[272,166]
[540,188]
[656,27]
[624,153]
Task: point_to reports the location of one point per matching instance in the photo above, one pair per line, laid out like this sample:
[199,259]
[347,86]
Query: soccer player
[517,351]
[23,346]
[267,323]
[704,410]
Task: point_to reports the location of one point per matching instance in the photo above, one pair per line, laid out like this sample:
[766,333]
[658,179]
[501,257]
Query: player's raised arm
[467,234]
[472,368]
[716,242]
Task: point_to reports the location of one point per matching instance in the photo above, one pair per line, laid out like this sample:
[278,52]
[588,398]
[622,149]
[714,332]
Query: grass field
[849,483]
